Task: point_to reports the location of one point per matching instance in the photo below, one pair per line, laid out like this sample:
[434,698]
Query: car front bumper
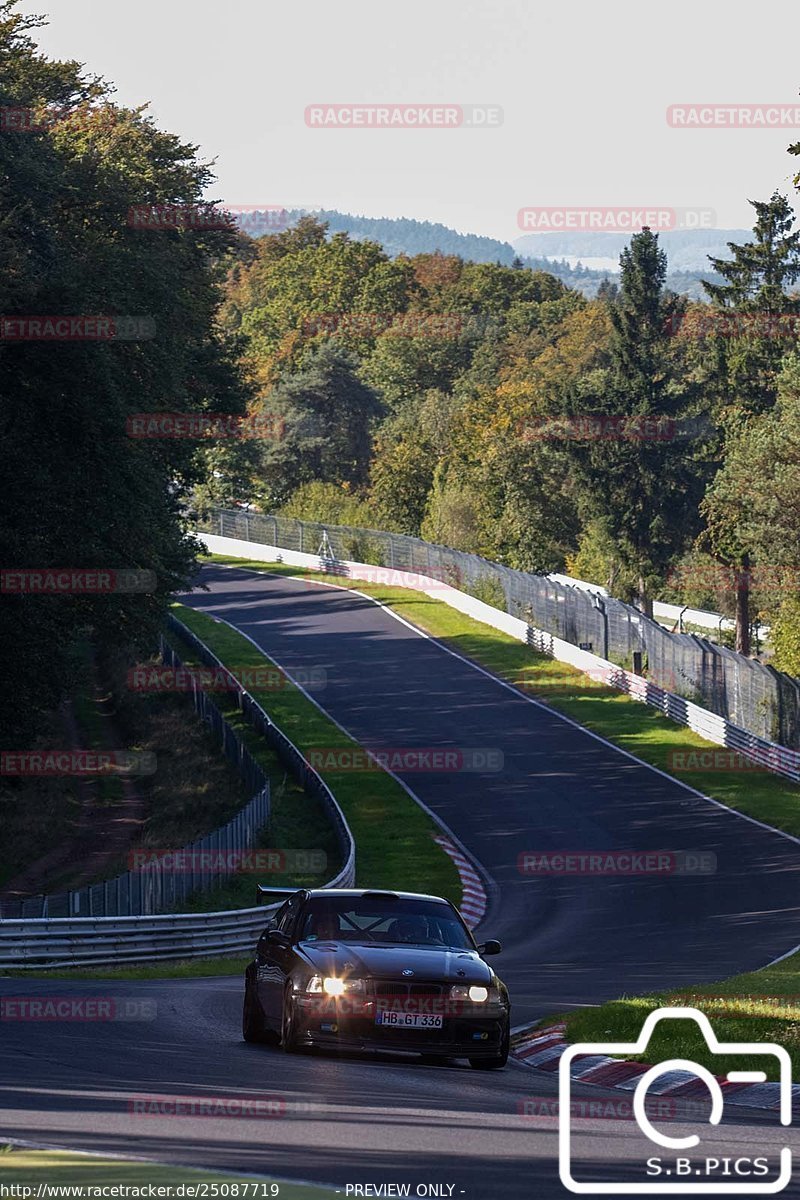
[475,1031]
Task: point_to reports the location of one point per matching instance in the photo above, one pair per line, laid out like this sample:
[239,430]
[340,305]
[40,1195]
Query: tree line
[638,439]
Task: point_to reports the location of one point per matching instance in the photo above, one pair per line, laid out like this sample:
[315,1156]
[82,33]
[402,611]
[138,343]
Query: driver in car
[324,927]
[409,930]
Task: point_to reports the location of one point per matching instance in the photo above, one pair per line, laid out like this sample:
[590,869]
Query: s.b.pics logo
[700,1157]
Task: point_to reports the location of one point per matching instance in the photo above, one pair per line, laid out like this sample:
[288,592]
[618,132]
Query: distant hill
[686,249]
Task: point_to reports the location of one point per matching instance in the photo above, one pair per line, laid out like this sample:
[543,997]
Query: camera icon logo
[689,1176]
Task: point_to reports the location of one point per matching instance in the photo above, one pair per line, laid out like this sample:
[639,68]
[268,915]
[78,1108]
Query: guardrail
[716,728]
[58,942]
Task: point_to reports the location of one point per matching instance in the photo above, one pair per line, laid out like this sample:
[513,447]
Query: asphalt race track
[567,940]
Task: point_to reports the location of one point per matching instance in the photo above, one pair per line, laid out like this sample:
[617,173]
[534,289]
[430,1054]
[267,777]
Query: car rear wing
[267,895]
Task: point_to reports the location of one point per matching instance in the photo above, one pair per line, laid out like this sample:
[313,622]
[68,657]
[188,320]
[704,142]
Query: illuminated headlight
[332,986]
[476,992]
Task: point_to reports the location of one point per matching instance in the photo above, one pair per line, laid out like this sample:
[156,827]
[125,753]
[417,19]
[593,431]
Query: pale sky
[584,87]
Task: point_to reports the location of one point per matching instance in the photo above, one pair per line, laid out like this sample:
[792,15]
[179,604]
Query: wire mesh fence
[745,692]
[164,882]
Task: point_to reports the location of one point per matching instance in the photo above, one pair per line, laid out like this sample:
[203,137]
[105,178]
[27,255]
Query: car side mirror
[276,938]
[490,947]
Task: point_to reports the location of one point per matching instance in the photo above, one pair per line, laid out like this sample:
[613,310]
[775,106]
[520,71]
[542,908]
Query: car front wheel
[254,1027]
[288,1030]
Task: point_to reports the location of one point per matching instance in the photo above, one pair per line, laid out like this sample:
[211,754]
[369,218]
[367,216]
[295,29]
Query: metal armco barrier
[57,942]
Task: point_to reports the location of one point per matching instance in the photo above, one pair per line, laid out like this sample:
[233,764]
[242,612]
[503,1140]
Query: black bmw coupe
[376,970]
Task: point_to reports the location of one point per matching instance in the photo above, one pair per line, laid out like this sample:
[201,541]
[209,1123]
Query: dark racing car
[376,970]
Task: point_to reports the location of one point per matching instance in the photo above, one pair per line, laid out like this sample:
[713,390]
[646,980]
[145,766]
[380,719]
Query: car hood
[389,962]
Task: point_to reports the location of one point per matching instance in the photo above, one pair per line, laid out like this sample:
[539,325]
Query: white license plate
[401,1020]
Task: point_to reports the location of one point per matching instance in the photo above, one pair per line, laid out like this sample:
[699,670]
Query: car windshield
[423,923]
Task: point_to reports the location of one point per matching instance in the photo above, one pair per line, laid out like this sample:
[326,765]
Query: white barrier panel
[708,725]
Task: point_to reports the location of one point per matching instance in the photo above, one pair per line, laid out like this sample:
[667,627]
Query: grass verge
[23,1168]
[761,1006]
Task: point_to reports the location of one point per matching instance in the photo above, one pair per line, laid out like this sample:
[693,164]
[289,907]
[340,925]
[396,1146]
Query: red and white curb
[473,899]
[542,1049]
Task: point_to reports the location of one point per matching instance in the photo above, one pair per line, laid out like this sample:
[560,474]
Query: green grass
[29,1168]
[761,1006]
[627,723]
[394,836]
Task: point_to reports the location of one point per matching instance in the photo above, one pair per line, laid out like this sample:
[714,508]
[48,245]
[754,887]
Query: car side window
[288,915]
[275,918]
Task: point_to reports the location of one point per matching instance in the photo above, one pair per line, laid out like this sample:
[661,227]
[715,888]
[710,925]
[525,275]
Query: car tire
[498,1061]
[254,1028]
[288,1034]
